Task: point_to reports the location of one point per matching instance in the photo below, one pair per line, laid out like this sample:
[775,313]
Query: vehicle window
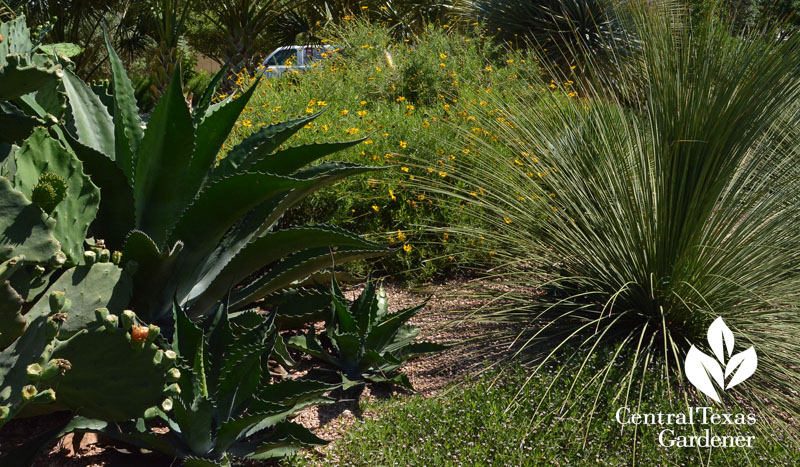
[315,53]
[282,57]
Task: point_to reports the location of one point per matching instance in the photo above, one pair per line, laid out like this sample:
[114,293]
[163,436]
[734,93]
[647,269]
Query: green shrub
[363,90]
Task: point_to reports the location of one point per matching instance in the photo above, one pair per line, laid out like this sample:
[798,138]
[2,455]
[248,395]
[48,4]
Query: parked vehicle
[294,58]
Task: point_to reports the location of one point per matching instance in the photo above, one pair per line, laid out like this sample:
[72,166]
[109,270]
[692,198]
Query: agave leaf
[208,93]
[92,122]
[288,161]
[240,379]
[264,216]
[221,204]
[309,345]
[196,422]
[187,337]
[234,429]
[365,308]
[212,131]
[161,164]
[258,145]
[293,391]
[403,337]
[288,437]
[128,131]
[418,349]
[220,339]
[343,316]
[115,215]
[385,332]
[296,268]
[372,360]
[267,249]
[280,353]
[154,268]
[400,379]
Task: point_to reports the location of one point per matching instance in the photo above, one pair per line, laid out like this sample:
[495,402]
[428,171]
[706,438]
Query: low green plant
[488,419]
[228,406]
[643,222]
[363,341]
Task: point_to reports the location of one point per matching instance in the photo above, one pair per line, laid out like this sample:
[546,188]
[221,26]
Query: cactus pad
[38,160]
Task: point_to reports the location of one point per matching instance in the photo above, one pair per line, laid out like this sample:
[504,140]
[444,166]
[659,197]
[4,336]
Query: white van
[294,58]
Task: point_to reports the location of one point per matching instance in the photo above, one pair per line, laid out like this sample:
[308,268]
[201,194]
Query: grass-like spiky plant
[624,228]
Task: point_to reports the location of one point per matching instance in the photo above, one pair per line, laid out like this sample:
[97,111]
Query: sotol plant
[197,227]
[625,231]
[363,341]
[228,407]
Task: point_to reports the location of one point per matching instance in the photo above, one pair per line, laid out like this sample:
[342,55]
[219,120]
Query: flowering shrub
[413,102]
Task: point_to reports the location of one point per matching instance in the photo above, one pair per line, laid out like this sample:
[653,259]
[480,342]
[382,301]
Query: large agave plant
[196,226]
[228,408]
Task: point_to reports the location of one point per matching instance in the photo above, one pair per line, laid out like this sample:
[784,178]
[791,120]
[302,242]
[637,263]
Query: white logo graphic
[703,371]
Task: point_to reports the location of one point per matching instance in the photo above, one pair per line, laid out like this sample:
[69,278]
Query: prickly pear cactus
[22,68]
[16,391]
[99,285]
[45,172]
[24,228]
[12,323]
[111,370]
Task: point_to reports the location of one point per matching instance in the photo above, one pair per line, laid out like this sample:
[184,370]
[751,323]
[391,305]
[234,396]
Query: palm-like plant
[564,30]
[631,229]
[240,22]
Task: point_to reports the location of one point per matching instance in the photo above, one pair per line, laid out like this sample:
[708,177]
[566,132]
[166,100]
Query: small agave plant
[363,341]
[227,407]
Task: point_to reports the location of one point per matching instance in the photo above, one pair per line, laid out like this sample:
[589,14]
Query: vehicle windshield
[313,53]
[282,57]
